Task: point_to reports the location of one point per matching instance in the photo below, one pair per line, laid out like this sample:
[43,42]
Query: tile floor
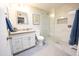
[51,48]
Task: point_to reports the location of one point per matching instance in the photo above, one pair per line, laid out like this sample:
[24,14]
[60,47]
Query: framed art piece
[36,19]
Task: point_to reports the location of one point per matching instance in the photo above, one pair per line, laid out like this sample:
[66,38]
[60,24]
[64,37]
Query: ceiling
[47,6]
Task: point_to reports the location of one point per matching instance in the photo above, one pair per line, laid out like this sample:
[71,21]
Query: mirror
[22,18]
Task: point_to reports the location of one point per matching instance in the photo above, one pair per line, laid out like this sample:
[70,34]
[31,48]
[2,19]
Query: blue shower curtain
[75,30]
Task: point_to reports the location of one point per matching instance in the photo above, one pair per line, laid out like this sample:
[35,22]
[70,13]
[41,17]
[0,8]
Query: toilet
[40,39]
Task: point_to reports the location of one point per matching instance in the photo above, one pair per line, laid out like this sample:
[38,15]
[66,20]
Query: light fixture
[62,17]
[52,15]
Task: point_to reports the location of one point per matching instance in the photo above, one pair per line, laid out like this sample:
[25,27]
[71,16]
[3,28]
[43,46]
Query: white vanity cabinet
[32,40]
[16,44]
[26,42]
[22,40]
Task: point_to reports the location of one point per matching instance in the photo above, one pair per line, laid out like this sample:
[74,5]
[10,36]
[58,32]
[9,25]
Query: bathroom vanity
[22,40]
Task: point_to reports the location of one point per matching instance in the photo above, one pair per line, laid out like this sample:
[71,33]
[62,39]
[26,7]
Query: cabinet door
[16,44]
[32,40]
[25,42]
[4,43]
[28,41]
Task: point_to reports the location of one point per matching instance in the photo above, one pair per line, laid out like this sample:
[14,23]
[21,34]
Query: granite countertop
[21,32]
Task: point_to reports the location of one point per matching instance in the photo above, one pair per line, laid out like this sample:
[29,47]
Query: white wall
[61,30]
[52,22]
[44,18]
[63,12]
[4,43]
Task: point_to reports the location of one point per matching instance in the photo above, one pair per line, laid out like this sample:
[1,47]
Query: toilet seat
[40,39]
